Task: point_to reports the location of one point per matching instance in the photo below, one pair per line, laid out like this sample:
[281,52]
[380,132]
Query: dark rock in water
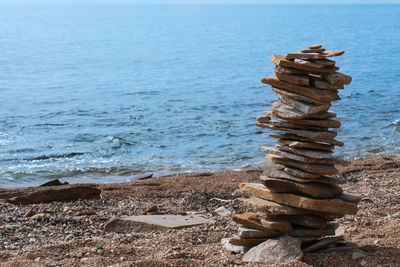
[54,182]
[142,176]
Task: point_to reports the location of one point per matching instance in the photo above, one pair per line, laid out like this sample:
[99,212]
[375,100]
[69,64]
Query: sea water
[93,92]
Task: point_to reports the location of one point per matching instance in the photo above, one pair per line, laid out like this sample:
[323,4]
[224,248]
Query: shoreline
[62,237]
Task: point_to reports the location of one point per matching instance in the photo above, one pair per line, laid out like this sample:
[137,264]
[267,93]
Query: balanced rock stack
[299,196]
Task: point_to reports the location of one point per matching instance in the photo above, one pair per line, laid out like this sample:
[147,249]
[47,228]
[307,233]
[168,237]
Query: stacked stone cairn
[300,196]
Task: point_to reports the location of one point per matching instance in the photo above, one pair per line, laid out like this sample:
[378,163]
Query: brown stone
[256,221]
[314,93]
[284,124]
[334,205]
[324,61]
[313,189]
[309,145]
[295,55]
[319,136]
[296,96]
[300,231]
[311,153]
[290,71]
[308,63]
[263,119]
[337,78]
[301,174]
[289,155]
[301,106]
[308,167]
[288,112]
[294,137]
[148,223]
[316,46]
[29,213]
[246,242]
[32,195]
[283,62]
[294,78]
[316,50]
[322,84]
[245,232]
[278,172]
[350,198]
[332,53]
[307,220]
[273,208]
[326,123]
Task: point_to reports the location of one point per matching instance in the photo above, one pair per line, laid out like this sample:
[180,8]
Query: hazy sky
[211,1]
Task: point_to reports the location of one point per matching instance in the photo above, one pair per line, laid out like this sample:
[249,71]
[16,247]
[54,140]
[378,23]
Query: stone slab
[293,78]
[283,62]
[301,106]
[294,137]
[300,173]
[323,243]
[313,189]
[315,46]
[304,55]
[311,153]
[273,208]
[324,61]
[325,123]
[246,242]
[309,145]
[314,93]
[322,84]
[335,205]
[308,167]
[287,112]
[306,231]
[307,220]
[278,172]
[256,221]
[285,124]
[315,50]
[337,78]
[246,232]
[290,71]
[147,223]
[296,96]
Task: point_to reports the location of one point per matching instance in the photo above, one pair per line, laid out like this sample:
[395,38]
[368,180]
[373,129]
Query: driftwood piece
[33,195]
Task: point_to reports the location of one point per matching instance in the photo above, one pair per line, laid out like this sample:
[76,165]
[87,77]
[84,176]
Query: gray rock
[275,251]
[232,248]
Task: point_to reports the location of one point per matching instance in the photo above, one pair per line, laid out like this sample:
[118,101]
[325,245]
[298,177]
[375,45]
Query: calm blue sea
[88,92]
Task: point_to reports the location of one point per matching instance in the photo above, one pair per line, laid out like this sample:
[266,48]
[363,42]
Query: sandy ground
[63,238]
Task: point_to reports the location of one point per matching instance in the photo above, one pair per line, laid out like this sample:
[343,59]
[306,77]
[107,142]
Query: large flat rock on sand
[147,223]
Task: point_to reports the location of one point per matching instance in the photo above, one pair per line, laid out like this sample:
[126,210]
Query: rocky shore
[71,233]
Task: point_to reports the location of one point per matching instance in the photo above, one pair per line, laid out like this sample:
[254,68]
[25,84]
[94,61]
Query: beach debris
[54,182]
[275,251]
[34,195]
[38,217]
[147,223]
[298,197]
[222,211]
[151,209]
[30,213]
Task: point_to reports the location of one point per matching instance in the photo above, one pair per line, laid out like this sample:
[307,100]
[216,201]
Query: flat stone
[273,208]
[142,176]
[306,231]
[284,124]
[307,220]
[290,71]
[313,189]
[323,243]
[245,232]
[283,62]
[288,112]
[316,46]
[278,172]
[308,167]
[256,221]
[232,248]
[322,84]
[334,205]
[147,223]
[263,119]
[295,55]
[294,137]
[285,249]
[337,78]
[308,63]
[350,198]
[325,123]
[319,136]
[311,153]
[324,61]
[300,173]
[301,106]
[314,93]
[246,242]
[309,145]
[296,96]
[315,50]
[294,78]
[289,155]
[332,53]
